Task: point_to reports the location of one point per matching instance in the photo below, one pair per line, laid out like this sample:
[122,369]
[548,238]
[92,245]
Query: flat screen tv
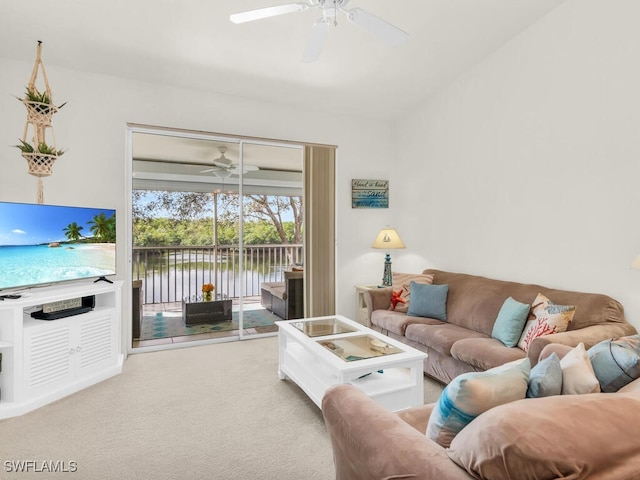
[45,244]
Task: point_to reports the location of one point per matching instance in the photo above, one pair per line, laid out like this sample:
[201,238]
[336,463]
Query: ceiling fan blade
[389,34]
[314,46]
[209,170]
[236,170]
[267,12]
[222,162]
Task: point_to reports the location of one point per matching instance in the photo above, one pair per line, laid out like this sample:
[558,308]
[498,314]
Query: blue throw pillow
[545,378]
[428,301]
[510,322]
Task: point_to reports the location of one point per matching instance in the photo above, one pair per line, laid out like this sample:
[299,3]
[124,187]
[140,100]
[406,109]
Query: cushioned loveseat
[464,339]
[581,436]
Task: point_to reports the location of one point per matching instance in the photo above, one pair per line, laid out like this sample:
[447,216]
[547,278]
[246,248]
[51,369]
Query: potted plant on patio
[207,291]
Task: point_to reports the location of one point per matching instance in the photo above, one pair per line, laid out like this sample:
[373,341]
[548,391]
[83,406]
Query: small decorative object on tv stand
[65,308]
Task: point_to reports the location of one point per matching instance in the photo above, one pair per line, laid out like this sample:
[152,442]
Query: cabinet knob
[78,349]
[71,351]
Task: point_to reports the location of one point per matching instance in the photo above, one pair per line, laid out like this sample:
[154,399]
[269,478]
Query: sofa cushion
[616,362]
[510,322]
[471,394]
[397,322]
[545,378]
[592,439]
[484,353]
[578,376]
[547,318]
[440,336]
[428,301]
[402,282]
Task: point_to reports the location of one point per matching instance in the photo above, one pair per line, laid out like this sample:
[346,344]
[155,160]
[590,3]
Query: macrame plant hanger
[40,155]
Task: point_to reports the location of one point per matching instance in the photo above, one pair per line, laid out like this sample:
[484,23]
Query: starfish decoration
[396,297]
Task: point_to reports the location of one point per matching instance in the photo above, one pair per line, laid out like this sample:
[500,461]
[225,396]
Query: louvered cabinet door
[97,344]
[48,357]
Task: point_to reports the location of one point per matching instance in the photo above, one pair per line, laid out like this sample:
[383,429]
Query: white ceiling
[192,43]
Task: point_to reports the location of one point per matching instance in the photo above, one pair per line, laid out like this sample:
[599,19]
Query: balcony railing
[171,274]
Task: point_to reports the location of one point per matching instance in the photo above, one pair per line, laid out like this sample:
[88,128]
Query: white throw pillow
[578,376]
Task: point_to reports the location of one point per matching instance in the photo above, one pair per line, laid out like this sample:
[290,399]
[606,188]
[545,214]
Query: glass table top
[322,327]
[359,347]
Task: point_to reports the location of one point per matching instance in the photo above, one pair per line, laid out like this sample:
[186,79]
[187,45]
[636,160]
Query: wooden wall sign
[369,193]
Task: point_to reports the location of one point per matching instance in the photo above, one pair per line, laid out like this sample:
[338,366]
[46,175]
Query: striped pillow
[616,362]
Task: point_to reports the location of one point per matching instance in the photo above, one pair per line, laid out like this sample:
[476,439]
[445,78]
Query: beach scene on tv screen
[41,244]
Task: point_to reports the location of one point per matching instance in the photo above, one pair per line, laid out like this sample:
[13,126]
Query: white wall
[91,127]
[526,168]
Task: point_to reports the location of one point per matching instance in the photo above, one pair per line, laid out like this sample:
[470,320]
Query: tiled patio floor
[149,309]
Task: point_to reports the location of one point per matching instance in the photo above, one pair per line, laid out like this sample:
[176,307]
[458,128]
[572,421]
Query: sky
[32,224]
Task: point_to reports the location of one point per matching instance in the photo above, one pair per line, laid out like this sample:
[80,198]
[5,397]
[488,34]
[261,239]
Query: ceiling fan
[224,167]
[381,29]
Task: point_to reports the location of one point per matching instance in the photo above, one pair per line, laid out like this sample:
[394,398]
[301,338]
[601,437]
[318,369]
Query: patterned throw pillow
[402,283]
[547,318]
[470,394]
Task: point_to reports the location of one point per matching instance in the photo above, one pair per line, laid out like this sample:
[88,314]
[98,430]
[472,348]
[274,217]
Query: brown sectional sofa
[563,436]
[464,344]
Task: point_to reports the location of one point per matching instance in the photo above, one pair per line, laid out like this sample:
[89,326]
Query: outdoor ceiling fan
[224,167]
[381,29]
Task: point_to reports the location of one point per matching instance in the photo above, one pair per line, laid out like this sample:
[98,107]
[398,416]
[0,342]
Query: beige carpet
[209,412]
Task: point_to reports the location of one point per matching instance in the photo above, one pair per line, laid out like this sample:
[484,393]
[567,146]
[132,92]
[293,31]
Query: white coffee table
[317,353]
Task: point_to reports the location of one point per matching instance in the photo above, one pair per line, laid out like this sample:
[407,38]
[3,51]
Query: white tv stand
[45,360]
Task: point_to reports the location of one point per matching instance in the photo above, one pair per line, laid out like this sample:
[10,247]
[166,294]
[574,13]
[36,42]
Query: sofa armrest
[370,442]
[377,299]
[589,336]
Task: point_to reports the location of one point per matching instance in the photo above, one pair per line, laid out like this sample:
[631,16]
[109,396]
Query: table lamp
[635,264]
[388,238]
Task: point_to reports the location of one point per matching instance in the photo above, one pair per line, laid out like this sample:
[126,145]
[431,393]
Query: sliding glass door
[272,235]
[217,227]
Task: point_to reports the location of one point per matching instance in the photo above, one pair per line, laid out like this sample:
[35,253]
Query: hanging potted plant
[40,108]
[40,159]
[39,153]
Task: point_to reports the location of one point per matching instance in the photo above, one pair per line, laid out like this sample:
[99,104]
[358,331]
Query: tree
[272,208]
[103,228]
[72,231]
[259,208]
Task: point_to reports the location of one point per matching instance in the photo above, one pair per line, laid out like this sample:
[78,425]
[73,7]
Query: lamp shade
[635,263]
[388,238]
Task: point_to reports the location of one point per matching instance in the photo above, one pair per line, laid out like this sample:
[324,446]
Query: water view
[36,264]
